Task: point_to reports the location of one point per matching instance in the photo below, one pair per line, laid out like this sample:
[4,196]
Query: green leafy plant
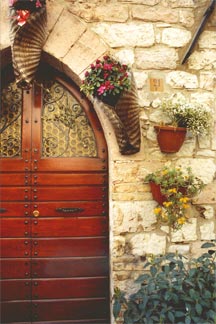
[177,187]
[107,76]
[196,117]
[173,290]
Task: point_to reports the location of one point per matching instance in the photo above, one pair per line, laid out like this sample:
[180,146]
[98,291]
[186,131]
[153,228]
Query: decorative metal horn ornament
[28,21]
[124,118]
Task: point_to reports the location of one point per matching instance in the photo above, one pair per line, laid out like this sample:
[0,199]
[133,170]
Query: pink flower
[22,16]
[107,67]
[86,73]
[101,89]
[11,2]
[38,4]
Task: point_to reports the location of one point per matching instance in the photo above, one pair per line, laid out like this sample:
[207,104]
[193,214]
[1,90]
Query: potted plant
[182,116]
[106,80]
[173,189]
[172,290]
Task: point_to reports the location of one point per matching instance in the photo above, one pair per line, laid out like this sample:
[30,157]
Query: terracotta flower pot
[156,193]
[170,139]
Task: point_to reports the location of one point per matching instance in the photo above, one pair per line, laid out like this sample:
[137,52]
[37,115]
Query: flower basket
[170,139]
[106,80]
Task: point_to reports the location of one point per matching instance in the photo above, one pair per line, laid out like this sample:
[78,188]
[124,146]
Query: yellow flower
[167,203]
[173,190]
[185,206]
[181,220]
[165,217]
[164,172]
[157,210]
[184,199]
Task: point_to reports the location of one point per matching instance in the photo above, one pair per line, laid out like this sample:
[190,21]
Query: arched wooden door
[54,210]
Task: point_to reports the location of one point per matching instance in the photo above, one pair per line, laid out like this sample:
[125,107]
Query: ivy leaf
[116,308]
[207,245]
[198,308]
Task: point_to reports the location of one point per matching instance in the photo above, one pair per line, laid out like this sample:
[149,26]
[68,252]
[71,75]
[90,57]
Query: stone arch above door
[70,45]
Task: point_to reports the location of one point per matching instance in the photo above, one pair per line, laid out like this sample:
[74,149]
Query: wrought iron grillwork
[11,122]
[66,131]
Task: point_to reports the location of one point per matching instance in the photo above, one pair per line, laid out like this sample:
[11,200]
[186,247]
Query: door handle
[36,213]
[69,210]
[3,210]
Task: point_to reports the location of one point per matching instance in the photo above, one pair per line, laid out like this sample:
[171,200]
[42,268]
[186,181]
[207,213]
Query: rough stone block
[65,33]
[117,35]
[156,58]
[154,14]
[181,80]
[207,39]
[207,231]
[202,60]
[175,37]
[187,233]
[86,50]
[146,243]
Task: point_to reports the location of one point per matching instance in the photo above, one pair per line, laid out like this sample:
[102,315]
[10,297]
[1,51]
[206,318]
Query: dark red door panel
[70,288]
[69,267]
[15,227]
[15,311]
[15,193]
[68,193]
[69,227]
[78,309]
[19,179]
[16,248]
[72,208]
[14,209]
[15,268]
[16,289]
[68,247]
[68,179]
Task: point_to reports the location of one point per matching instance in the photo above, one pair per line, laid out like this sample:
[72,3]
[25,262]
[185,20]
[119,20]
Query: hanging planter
[181,116]
[111,99]
[170,139]
[156,193]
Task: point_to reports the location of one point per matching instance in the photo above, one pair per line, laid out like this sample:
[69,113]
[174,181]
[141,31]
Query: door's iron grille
[10,122]
[66,131]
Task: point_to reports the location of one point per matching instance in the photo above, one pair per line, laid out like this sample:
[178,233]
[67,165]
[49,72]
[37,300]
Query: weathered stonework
[150,36]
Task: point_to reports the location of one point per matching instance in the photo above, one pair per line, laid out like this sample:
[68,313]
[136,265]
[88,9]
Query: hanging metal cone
[26,44]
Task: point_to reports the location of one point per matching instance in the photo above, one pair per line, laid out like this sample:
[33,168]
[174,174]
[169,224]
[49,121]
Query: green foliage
[174,290]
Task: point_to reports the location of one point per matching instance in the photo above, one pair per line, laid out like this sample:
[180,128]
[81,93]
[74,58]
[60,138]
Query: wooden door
[54,209]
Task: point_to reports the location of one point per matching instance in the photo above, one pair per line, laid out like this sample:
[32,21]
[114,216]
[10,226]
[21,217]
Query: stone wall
[151,36]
